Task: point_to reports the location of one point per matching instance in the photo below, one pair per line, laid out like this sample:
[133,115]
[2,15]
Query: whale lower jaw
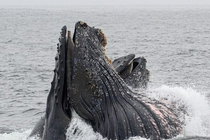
[58,111]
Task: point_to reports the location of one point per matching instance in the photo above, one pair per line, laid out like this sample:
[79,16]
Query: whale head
[88,64]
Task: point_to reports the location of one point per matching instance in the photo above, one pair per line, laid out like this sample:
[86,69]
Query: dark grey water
[175,41]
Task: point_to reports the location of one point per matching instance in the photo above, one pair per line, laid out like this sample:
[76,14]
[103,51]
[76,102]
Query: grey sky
[104,2]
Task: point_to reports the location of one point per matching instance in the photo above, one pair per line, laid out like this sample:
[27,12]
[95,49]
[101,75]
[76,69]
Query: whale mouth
[70,58]
[69,50]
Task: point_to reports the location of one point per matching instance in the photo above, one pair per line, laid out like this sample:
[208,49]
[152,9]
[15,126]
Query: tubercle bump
[58,67]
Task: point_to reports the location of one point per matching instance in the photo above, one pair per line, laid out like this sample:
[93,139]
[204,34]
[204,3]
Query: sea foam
[196,118]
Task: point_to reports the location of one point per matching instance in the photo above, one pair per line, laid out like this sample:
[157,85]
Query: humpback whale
[132,71]
[87,82]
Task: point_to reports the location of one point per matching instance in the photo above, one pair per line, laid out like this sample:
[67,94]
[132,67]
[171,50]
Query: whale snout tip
[83,24]
[80,24]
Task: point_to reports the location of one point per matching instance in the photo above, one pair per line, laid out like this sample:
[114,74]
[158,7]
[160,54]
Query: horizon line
[105,5]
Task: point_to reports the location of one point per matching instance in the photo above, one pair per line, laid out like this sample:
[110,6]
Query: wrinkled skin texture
[86,82]
[101,97]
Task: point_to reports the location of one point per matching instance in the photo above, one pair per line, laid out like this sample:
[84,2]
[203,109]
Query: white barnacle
[77,43]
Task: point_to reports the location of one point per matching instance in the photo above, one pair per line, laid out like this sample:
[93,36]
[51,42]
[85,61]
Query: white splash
[196,120]
[17,135]
[80,130]
[196,104]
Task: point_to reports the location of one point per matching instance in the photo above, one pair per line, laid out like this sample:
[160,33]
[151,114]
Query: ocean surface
[175,40]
